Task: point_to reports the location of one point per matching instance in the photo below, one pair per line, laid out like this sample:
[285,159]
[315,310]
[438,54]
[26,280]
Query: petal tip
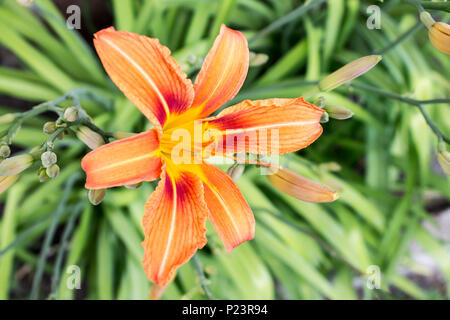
[98,34]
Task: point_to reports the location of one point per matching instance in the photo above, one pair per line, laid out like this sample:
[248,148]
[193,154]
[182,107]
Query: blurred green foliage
[387,183]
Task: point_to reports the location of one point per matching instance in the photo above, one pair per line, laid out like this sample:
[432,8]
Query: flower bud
[348,72]
[5,151]
[438,32]
[320,102]
[236,171]
[338,112]
[7,118]
[49,127]
[300,187]
[90,138]
[6,182]
[48,159]
[133,186]
[324,118]
[439,35]
[71,114]
[52,171]
[123,135]
[15,165]
[42,174]
[258,59]
[96,196]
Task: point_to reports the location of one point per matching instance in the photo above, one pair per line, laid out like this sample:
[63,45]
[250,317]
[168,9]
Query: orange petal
[229,213]
[223,71]
[145,72]
[126,161]
[174,224]
[273,126]
[300,187]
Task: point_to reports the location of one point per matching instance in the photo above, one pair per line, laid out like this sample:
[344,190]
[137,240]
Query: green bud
[5,151]
[71,114]
[320,102]
[49,127]
[90,138]
[348,72]
[7,118]
[338,113]
[48,159]
[42,173]
[15,165]
[324,118]
[258,59]
[96,196]
[236,171]
[52,171]
[133,186]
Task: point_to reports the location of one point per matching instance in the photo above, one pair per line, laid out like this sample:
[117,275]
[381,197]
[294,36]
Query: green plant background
[390,186]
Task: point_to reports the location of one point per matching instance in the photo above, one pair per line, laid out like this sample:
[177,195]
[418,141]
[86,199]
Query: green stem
[204,283]
[416,3]
[50,234]
[417,103]
[441,6]
[440,135]
[74,95]
[62,247]
[400,39]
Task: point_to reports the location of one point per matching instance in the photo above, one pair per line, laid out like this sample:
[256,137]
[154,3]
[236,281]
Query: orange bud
[348,72]
[439,35]
[300,187]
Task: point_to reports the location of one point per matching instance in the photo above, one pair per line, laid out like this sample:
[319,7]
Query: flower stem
[417,4]
[441,6]
[417,103]
[204,282]
[400,39]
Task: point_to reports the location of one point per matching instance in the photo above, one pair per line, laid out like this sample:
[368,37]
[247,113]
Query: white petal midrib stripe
[121,163]
[172,227]
[269,126]
[142,72]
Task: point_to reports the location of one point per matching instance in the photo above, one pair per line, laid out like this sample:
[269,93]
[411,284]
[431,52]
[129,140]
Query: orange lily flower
[189,193]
